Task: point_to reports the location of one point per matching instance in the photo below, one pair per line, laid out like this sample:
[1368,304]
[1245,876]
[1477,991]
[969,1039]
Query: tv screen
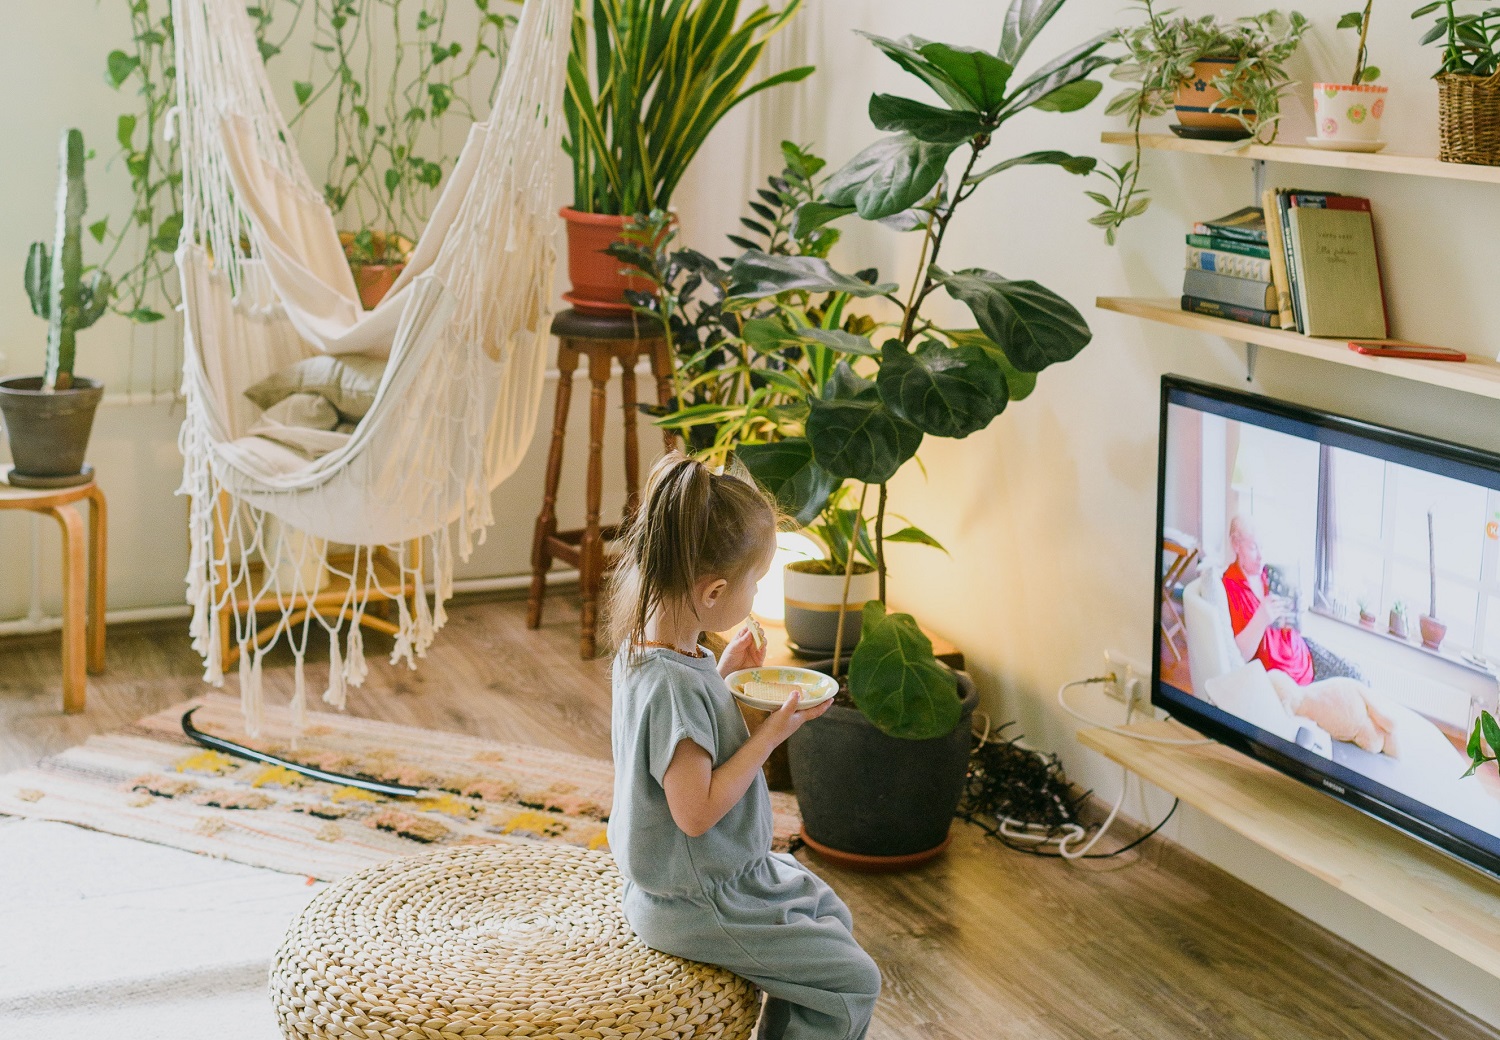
[1328,601]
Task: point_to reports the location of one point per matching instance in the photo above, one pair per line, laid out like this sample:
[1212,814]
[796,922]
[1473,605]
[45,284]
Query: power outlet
[1125,677]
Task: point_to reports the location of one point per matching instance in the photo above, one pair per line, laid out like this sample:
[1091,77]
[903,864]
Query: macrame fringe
[337,693]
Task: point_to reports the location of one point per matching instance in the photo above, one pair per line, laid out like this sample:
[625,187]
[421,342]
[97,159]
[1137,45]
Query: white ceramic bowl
[816,686]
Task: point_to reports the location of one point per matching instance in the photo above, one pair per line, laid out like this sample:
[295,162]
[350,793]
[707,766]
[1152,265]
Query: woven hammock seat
[266,284]
[520,939]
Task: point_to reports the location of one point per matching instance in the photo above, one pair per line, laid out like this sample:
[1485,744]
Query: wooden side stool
[603,340]
[83,563]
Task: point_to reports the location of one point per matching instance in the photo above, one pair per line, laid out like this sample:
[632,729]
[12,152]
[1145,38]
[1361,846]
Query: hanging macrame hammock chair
[265,284]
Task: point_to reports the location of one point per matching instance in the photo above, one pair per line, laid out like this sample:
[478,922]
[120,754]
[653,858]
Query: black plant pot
[48,432]
[874,802]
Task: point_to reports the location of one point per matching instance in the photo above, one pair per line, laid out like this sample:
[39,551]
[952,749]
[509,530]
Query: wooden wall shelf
[1479,376]
[1440,899]
[1378,162]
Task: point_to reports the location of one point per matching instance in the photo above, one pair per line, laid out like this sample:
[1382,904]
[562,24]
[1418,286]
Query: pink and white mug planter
[1348,116]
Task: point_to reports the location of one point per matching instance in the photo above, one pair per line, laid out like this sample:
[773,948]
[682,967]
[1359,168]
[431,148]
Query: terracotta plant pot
[598,285]
[1196,97]
[373,281]
[1366,619]
[48,432]
[812,606]
[1433,632]
[873,802]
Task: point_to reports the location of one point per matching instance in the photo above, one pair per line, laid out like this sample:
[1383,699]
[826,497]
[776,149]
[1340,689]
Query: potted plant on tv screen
[879,776]
[48,418]
[647,81]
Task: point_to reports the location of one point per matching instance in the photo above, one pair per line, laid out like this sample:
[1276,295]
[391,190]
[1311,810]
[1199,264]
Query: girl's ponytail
[690,524]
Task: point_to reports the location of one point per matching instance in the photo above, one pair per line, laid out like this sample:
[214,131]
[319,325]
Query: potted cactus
[48,417]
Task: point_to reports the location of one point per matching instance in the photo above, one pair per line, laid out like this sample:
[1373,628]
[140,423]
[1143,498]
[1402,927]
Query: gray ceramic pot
[48,433]
[812,608]
[874,802]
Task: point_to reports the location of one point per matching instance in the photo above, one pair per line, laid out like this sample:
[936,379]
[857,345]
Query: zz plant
[859,411]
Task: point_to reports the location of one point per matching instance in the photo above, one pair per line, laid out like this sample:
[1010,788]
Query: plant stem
[838,638]
[880,541]
[1359,56]
[980,142]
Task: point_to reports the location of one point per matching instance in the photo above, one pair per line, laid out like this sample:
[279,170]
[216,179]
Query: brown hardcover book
[1337,272]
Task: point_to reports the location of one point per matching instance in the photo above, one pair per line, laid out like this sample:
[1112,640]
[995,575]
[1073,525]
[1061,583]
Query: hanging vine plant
[380,77]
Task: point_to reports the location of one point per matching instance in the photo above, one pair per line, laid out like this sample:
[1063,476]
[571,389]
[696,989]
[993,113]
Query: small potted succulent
[1397,625]
[1348,114]
[48,418]
[1366,613]
[1468,80]
[646,83]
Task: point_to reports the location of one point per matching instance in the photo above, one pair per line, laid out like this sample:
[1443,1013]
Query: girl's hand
[788,719]
[741,652]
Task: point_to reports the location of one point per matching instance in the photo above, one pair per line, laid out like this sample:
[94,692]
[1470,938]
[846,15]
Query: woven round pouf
[519,939]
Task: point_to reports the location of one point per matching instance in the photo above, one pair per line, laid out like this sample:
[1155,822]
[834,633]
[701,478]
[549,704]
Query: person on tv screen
[1253,613]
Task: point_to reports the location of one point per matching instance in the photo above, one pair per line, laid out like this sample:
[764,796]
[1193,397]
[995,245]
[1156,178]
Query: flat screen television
[1328,601]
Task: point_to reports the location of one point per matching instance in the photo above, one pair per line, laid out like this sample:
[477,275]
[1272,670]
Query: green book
[1336,271]
[1229,245]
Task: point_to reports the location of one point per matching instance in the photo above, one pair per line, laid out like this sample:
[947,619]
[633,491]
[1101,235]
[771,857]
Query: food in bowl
[772,691]
[767,688]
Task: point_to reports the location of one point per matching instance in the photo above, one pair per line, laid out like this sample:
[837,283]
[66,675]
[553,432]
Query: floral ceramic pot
[1347,112]
[1197,97]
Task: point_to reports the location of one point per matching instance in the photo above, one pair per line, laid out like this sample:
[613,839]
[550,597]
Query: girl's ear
[709,591]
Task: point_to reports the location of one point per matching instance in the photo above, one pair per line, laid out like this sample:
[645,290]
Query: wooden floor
[984,944]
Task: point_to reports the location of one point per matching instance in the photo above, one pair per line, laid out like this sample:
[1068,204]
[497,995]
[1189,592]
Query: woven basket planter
[1469,119]
[515,939]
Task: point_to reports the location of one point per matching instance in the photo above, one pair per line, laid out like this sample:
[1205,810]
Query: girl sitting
[691,823]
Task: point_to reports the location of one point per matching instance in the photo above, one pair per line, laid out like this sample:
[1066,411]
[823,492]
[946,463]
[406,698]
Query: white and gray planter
[813,601]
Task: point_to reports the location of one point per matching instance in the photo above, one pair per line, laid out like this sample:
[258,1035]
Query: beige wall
[1049,514]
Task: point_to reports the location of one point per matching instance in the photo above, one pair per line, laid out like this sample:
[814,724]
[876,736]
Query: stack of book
[1304,260]
[1229,270]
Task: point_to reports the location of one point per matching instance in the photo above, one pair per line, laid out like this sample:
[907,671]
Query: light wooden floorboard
[985,943]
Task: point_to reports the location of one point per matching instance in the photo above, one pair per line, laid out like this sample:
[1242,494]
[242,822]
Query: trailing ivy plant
[862,409]
[389,155]
[1160,52]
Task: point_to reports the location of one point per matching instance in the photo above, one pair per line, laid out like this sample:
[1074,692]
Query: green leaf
[392,180]
[905,52]
[893,174]
[756,275]
[167,233]
[145,315]
[897,682]
[860,438]
[303,90]
[839,340]
[916,536]
[924,122]
[99,229]
[1072,67]
[1427,8]
[1069,97]
[810,216]
[1023,21]
[1352,20]
[119,66]
[1476,748]
[1019,385]
[979,74]
[1032,325]
[941,390]
[1078,164]
[1371,74]
[125,130]
[786,470]
[1491,730]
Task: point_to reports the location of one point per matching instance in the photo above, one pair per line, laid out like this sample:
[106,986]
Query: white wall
[1050,512]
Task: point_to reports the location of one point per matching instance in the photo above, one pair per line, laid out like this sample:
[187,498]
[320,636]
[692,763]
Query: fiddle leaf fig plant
[864,402]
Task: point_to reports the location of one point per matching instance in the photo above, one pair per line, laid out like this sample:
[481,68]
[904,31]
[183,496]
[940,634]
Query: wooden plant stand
[603,341]
[83,575]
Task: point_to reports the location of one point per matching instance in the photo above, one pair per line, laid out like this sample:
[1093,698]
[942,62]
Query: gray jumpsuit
[724,897]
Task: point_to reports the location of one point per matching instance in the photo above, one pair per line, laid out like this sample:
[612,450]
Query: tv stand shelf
[1440,899]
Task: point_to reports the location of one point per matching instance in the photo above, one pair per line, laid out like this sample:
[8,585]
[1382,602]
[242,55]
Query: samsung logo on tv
[1335,788]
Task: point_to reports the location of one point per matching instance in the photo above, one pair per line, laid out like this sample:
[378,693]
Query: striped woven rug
[151,783]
